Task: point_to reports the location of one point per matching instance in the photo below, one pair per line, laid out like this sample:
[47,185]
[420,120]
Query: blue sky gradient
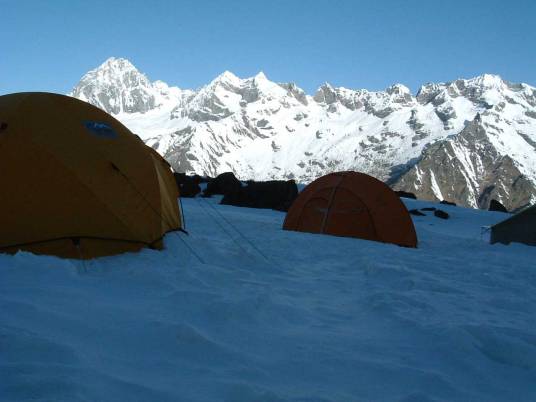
[49,45]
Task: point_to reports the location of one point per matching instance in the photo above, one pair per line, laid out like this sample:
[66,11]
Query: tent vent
[100,129]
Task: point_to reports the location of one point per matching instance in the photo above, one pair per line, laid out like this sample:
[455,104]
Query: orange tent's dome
[355,205]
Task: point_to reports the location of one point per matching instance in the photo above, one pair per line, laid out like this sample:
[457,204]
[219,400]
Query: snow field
[272,315]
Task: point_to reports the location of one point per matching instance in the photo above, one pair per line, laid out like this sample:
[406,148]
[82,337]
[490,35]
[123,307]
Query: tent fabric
[519,228]
[77,183]
[352,204]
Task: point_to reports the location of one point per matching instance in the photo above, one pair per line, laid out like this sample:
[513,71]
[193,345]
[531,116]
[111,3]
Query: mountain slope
[470,169]
[265,130]
[494,156]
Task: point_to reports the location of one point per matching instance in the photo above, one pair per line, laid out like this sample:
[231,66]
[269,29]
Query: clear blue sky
[49,45]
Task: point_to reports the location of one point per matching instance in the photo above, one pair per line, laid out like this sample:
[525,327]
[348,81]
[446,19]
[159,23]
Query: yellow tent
[77,183]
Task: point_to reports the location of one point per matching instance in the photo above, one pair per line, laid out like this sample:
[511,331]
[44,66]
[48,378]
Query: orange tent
[355,205]
[77,183]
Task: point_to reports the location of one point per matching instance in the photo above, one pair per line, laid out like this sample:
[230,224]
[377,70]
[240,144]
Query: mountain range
[466,141]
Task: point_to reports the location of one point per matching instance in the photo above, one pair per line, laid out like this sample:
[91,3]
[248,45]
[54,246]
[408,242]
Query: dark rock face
[441,214]
[445,202]
[189,189]
[495,205]
[274,194]
[468,168]
[188,185]
[405,194]
[416,212]
[225,183]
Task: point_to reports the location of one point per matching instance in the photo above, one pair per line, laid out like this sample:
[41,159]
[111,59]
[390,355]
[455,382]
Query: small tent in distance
[352,204]
[76,183]
[519,228]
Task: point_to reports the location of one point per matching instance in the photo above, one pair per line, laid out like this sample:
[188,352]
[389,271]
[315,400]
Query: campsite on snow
[268,201]
[122,281]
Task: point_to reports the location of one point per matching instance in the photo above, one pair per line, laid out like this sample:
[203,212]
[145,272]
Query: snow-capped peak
[116,63]
[226,77]
[117,86]
[398,89]
[325,94]
[265,130]
[326,87]
[487,81]
[267,87]
[260,76]
[117,71]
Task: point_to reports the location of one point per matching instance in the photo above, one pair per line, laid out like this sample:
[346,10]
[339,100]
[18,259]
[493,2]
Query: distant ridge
[468,141]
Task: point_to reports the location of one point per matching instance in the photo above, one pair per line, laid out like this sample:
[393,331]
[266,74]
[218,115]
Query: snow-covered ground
[271,315]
